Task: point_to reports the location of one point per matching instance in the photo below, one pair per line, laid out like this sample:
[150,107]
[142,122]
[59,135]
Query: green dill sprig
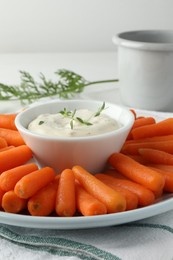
[68,84]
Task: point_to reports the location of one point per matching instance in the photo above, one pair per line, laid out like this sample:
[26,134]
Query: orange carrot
[8,121]
[14,157]
[145,196]
[113,200]
[168,187]
[118,175]
[42,203]
[66,200]
[133,148]
[141,122]
[9,178]
[133,112]
[3,143]
[131,198]
[6,148]
[137,172]
[2,192]
[12,137]
[12,203]
[164,127]
[166,168]
[88,205]
[114,173]
[28,185]
[138,158]
[156,156]
[151,139]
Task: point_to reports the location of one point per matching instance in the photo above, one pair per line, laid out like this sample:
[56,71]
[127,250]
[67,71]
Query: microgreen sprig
[100,109]
[71,115]
[72,118]
[84,122]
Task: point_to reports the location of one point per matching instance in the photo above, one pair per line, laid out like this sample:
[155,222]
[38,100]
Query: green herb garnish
[29,90]
[71,115]
[65,113]
[41,122]
[84,122]
[100,109]
[72,118]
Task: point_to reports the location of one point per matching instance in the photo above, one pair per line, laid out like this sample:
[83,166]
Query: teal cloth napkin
[148,239]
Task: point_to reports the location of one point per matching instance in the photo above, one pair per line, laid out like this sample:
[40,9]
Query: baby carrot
[137,172]
[114,173]
[42,203]
[12,137]
[131,198]
[9,178]
[2,192]
[151,139]
[145,196]
[167,168]
[164,127]
[133,112]
[141,122]
[28,185]
[168,187]
[156,156]
[14,157]
[7,121]
[65,205]
[88,205]
[113,200]
[12,203]
[3,143]
[133,148]
[139,159]
[6,148]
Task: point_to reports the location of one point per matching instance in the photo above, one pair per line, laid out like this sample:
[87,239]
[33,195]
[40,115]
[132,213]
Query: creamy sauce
[59,125]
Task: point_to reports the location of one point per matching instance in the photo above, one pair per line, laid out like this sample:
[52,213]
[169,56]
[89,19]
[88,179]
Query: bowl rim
[123,128]
[120,40]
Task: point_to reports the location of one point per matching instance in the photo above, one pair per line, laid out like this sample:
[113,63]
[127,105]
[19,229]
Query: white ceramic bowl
[145,62]
[90,152]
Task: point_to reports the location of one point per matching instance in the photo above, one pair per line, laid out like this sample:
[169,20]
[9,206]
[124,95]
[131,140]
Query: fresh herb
[84,122]
[71,115]
[65,113]
[41,122]
[72,118]
[29,90]
[100,109]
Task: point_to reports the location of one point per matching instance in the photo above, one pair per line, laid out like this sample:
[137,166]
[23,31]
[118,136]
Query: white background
[76,25]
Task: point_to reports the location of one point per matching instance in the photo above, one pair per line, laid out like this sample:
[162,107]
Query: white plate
[162,205]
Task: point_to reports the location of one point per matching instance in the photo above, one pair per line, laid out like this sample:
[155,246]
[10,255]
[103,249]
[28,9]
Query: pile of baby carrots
[135,177]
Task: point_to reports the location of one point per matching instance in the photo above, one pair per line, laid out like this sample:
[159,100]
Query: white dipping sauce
[59,125]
